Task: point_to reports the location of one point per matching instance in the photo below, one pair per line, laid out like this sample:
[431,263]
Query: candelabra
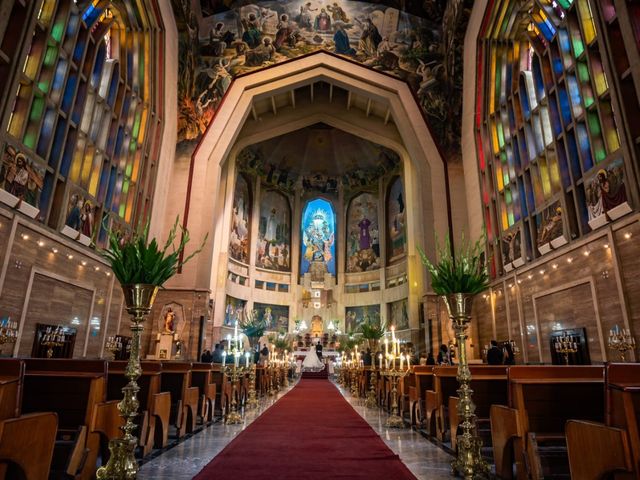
[564,345]
[113,345]
[397,366]
[8,331]
[372,401]
[235,372]
[52,338]
[622,341]
[274,378]
[355,375]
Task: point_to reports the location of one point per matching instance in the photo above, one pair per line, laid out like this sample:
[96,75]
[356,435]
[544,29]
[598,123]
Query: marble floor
[425,460]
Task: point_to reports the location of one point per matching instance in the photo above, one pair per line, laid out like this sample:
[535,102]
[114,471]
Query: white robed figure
[311,362]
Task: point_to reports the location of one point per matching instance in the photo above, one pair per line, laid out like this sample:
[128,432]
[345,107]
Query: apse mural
[240,221]
[606,192]
[276,317]
[274,233]
[220,40]
[399,314]
[363,247]
[318,238]
[396,220]
[356,316]
[234,310]
[20,176]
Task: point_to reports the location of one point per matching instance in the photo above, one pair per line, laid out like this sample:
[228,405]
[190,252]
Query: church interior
[323,181]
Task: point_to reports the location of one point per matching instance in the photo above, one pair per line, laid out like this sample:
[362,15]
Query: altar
[301,353]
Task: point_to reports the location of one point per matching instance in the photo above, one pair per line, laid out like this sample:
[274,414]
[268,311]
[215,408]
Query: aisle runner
[310,433]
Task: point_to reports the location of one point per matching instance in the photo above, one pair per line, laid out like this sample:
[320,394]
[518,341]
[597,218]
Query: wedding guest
[494,355]
[216,356]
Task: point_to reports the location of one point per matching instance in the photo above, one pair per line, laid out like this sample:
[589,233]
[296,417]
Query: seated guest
[206,357]
[510,358]
[430,359]
[216,356]
[444,356]
[494,355]
[264,354]
[256,355]
[366,358]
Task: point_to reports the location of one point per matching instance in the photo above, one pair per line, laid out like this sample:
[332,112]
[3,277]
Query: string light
[54,250]
[70,257]
[97,268]
[569,260]
[627,235]
[25,236]
[84,263]
[554,266]
[40,243]
[606,246]
[586,253]
[541,272]
[529,276]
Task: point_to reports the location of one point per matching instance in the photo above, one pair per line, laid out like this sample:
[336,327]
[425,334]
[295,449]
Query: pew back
[11,378]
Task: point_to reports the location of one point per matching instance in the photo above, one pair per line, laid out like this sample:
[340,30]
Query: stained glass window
[547,136]
[86,128]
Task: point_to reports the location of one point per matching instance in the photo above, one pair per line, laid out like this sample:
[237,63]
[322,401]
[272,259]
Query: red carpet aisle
[312,432]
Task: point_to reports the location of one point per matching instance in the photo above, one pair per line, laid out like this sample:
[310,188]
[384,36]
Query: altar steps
[322,374]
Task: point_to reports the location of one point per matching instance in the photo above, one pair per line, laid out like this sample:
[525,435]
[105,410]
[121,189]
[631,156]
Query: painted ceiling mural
[419,42]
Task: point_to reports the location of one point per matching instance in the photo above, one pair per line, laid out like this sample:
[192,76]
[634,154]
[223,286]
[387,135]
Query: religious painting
[363,234]
[240,221]
[511,247]
[276,317]
[82,214]
[356,316]
[274,232]
[234,310]
[420,43]
[318,238]
[550,228]
[399,314]
[396,220]
[606,193]
[21,177]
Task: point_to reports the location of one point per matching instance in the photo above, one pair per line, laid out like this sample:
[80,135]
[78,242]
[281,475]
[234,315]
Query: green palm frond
[136,260]
[372,331]
[465,272]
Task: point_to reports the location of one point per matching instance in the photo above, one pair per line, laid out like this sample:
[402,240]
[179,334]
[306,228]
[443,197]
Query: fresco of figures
[318,237]
[550,224]
[363,233]
[399,314]
[396,220]
[20,176]
[356,316]
[511,245]
[276,317]
[82,214]
[240,221]
[274,232]
[607,193]
[221,40]
[234,310]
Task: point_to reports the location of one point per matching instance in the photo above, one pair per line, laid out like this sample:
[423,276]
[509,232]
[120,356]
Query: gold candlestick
[8,331]
[252,401]
[622,341]
[395,373]
[564,345]
[234,372]
[122,464]
[372,401]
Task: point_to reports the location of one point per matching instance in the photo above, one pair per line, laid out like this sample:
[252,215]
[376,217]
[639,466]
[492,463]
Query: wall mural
[399,314]
[274,232]
[220,40]
[607,193]
[363,247]
[234,310]
[396,220]
[276,316]
[356,316]
[240,221]
[20,176]
[318,237]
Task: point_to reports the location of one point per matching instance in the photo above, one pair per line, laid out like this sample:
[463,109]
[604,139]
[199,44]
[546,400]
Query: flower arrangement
[136,260]
[462,272]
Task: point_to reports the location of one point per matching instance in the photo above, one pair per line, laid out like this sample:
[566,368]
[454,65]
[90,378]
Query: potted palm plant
[457,278]
[142,267]
[253,327]
[372,332]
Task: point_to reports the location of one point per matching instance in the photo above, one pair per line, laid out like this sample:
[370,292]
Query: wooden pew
[422,382]
[72,389]
[530,431]
[596,450]
[11,377]
[155,405]
[202,377]
[26,446]
[437,399]
[220,379]
[490,387]
[176,379]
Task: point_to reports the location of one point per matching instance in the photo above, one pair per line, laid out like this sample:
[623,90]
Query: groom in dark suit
[319,350]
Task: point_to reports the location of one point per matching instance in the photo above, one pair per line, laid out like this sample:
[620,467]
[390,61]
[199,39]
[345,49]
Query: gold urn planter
[468,463]
[122,464]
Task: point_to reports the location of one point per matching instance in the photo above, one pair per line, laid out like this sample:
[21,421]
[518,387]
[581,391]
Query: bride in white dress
[312,362]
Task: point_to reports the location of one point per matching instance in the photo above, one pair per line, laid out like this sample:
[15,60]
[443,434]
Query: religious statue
[169,319]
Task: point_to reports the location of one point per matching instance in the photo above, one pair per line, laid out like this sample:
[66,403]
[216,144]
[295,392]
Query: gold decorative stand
[372,401]
[234,372]
[564,345]
[469,463]
[394,420]
[122,464]
[252,401]
[355,376]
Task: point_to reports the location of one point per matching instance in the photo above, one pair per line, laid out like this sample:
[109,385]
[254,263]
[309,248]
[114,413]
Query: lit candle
[380,358]
[246,359]
[224,358]
[408,362]
[401,361]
